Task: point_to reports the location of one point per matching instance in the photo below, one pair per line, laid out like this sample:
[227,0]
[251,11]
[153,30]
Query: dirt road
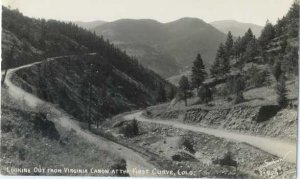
[283,149]
[134,160]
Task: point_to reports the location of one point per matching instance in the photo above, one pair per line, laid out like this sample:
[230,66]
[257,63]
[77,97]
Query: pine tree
[246,39]
[184,86]
[224,61]
[214,70]
[205,94]
[237,49]
[281,91]
[161,93]
[198,72]
[229,45]
[277,72]
[7,61]
[251,50]
[267,34]
[170,92]
[221,65]
[236,85]
[239,86]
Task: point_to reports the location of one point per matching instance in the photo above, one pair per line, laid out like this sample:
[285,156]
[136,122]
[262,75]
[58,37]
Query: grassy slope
[22,146]
[282,125]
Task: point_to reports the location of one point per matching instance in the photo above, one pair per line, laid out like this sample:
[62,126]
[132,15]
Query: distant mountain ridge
[166,48]
[89,25]
[236,28]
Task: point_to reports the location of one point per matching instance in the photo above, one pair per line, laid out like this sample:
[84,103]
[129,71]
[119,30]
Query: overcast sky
[252,11]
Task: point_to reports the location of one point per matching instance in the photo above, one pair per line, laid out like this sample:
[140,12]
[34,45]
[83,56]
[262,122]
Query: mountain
[89,25]
[166,48]
[236,28]
[87,64]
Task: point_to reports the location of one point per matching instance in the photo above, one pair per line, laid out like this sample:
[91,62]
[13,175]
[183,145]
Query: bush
[239,98]
[130,129]
[205,94]
[188,146]
[256,77]
[120,167]
[46,127]
[281,92]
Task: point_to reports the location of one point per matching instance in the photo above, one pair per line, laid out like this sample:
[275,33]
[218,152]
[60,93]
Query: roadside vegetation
[29,140]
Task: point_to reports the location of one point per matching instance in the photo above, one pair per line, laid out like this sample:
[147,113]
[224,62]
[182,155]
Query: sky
[250,11]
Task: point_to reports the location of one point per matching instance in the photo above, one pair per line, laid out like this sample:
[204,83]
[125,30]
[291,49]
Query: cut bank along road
[283,149]
[133,159]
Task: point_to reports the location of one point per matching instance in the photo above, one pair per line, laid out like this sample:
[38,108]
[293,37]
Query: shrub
[239,98]
[281,92]
[120,167]
[236,85]
[46,127]
[130,129]
[256,77]
[205,94]
[188,146]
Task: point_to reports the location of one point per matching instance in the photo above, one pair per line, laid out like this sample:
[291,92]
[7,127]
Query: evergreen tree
[184,87]
[198,72]
[161,93]
[281,91]
[237,48]
[221,65]
[277,72]
[224,60]
[289,23]
[205,94]
[280,27]
[7,61]
[170,92]
[246,39]
[236,85]
[251,50]
[291,60]
[239,86]
[267,34]
[256,77]
[229,45]
[294,11]
[214,70]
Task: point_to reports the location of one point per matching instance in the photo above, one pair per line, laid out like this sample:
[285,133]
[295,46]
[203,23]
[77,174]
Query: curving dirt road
[283,149]
[134,160]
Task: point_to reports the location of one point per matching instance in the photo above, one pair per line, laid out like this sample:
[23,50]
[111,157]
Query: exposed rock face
[262,120]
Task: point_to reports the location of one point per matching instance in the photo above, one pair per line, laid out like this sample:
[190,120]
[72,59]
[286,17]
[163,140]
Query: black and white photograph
[150,88]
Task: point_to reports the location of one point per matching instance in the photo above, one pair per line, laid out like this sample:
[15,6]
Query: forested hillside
[276,47]
[109,76]
[250,70]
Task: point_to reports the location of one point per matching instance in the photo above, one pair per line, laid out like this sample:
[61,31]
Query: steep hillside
[173,44]
[236,28]
[30,139]
[67,85]
[253,84]
[109,78]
